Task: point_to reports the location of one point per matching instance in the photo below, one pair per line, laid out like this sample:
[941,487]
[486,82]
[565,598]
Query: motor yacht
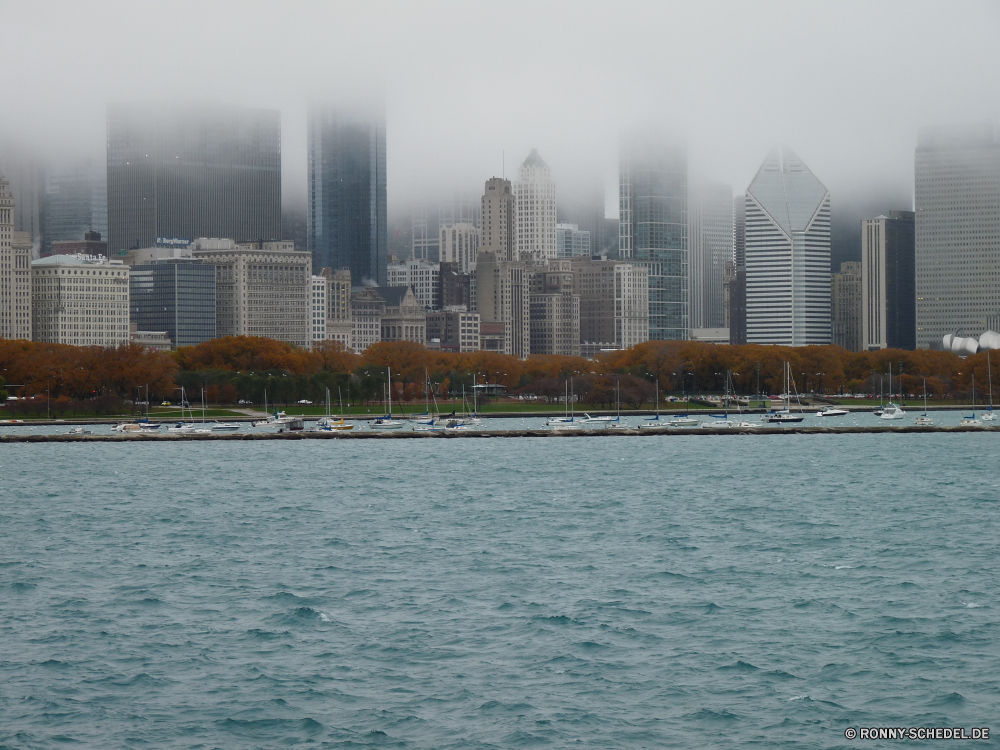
[831,411]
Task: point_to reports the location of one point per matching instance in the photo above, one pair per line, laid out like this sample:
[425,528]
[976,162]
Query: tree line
[239,368]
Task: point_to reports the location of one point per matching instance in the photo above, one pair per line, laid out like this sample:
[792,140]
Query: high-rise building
[90,244]
[739,231]
[571,241]
[424,238]
[653,228]
[338,306]
[845,296]
[453,331]
[367,309]
[787,254]
[614,302]
[503,296]
[75,204]
[498,230]
[15,271]
[261,288]
[187,172]
[80,300]
[535,194]
[459,245]
[456,287]
[422,277]
[738,306]
[888,282]
[710,242]
[587,211]
[404,318]
[25,173]
[317,328]
[957,201]
[555,310]
[347,218]
[176,295]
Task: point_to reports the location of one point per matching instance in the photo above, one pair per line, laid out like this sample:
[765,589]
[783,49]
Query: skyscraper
[535,193]
[75,203]
[347,218]
[187,172]
[888,282]
[176,295]
[498,230]
[459,244]
[710,239]
[15,271]
[787,254]
[845,295]
[957,200]
[653,228]
[739,231]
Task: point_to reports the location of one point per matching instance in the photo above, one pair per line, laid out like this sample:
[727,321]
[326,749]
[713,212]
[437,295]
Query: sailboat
[654,422]
[328,423]
[988,416]
[785,416]
[603,420]
[617,423]
[972,421]
[182,427]
[427,418]
[892,409]
[566,420]
[684,420]
[923,420]
[387,422]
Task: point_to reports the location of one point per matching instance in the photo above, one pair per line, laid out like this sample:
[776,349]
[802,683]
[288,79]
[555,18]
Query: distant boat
[923,420]
[564,421]
[654,422]
[892,410]
[971,421]
[785,416]
[387,422]
[989,416]
[831,411]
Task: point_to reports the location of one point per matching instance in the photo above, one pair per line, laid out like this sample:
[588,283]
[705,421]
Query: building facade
[347,222]
[710,241]
[957,231]
[738,306]
[262,289]
[614,302]
[15,272]
[456,287]
[367,309]
[404,318]
[535,195]
[503,296]
[423,277]
[498,230]
[453,331]
[176,296]
[845,295]
[75,205]
[652,199]
[787,254]
[80,300]
[338,306]
[318,312]
[206,171]
[459,246]
[555,310]
[888,282]
[571,241]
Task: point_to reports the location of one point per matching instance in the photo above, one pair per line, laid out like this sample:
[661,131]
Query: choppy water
[623,592]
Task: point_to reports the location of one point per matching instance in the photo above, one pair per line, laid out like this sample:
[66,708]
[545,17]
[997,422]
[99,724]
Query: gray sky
[845,84]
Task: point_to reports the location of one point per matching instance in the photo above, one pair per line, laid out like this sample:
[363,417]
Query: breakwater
[522,433]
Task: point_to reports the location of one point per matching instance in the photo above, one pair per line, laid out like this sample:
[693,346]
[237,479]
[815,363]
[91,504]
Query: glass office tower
[347,219]
[189,172]
[176,295]
[652,230]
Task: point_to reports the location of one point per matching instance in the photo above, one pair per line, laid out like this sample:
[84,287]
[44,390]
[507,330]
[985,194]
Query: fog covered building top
[535,194]
[787,254]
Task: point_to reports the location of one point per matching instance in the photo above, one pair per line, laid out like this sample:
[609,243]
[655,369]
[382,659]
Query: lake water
[487,593]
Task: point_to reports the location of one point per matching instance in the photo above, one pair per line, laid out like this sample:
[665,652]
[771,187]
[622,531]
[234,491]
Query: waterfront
[607,593]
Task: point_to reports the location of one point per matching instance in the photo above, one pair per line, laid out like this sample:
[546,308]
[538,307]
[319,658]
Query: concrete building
[652,200]
[80,300]
[535,194]
[614,302]
[845,295]
[23,170]
[404,318]
[739,231]
[738,306]
[710,335]
[367,309]
[787,254]
[498,230]
[91,244]
[555,310]
[503,296]
[424,239]
[453,331]
[456,287]
[459,246]
[423,277]
[957,225]
[318,314]
[75,205]
[157,341]
[571,241]
[15,271]
[888,282]
[175,295]
[339,326]
[262,288]
[347,223]
[187,172]
[710,243]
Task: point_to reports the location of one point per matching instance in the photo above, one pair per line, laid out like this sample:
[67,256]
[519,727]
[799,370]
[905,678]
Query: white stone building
[535,193]
[318,311]
[15,271]
[81,300]
[424,278]
[459,245]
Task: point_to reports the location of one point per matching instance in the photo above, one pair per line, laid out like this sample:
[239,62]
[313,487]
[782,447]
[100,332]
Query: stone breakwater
[524,433]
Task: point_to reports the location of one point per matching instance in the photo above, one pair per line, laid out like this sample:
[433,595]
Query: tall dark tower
[347,225]
[196,171]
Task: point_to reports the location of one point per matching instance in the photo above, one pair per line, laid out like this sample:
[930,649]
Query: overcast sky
[845,84]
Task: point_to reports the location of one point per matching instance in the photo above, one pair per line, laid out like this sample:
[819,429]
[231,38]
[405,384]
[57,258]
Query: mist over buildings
[469,90]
